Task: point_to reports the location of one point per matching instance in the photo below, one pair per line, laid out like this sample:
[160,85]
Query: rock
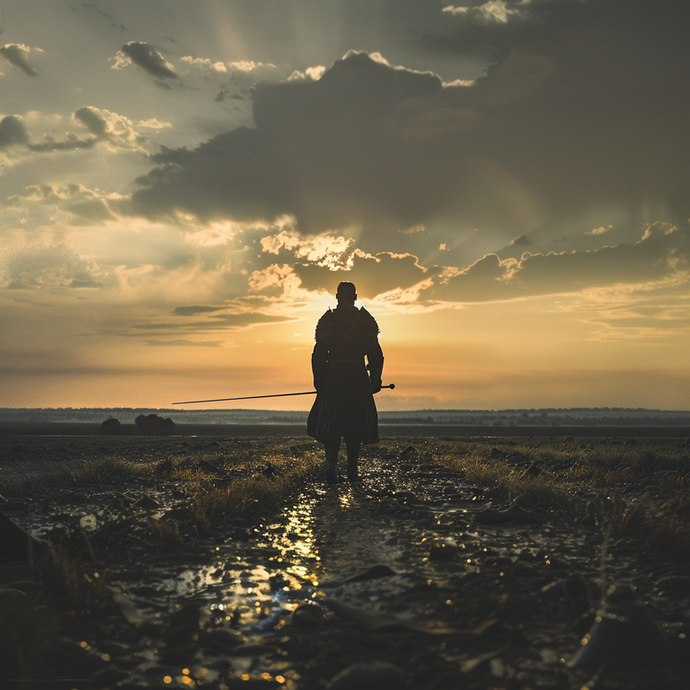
[88,522]
[147,503]
[277,582]
[270,471]
[624,634]
[209,468]
[408,453]
[369,675]
[16,544]
[12,505]
[308,615]
[128,608]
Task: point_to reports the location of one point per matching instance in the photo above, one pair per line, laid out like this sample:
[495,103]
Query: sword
[255,397]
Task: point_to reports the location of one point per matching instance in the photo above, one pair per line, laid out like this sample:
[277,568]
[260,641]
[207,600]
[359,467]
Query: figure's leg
[353,446]
[332,447]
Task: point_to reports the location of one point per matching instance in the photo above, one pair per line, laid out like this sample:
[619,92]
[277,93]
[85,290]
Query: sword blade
[246,397]
[256,397]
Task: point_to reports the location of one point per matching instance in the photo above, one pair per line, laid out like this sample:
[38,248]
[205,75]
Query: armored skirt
[344,405]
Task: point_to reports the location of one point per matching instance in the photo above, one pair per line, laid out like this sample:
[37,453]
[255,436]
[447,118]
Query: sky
[183,185]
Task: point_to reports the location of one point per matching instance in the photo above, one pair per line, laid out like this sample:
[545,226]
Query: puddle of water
[256,596]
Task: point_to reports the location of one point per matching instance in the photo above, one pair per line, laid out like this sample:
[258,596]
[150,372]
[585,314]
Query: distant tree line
[144,424]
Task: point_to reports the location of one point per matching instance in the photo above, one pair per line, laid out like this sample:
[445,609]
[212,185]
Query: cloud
[366,143]
[86,205]
[105,127]
[493,11]
[183,343]
[660,255]
[16,54]
[233,80]
[47,267]
[599,231]
[12,132]
[591,99]
[372,275]
[146,57]
[192,310]
[547,136]
[221,322]
[111,127]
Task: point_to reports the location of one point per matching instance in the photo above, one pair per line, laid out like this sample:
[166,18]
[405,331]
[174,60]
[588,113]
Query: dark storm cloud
[148,58]
[12,131]
[585,107]
[366,142]
[16,54]
[605,120]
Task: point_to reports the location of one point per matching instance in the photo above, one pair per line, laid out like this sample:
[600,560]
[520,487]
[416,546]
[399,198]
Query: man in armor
[344,405]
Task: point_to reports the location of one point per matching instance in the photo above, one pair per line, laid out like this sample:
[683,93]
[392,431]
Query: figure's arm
[375,361]
[319,361]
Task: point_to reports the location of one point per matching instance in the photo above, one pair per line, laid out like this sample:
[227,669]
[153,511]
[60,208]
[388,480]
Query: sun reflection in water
[345,498]
[296,544]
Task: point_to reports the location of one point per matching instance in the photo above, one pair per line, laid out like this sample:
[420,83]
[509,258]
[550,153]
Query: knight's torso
[346,333]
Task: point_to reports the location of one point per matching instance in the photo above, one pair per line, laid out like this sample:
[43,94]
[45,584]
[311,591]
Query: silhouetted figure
[344,405]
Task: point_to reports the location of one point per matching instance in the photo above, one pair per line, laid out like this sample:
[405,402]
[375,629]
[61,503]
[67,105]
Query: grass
[214,486]
[635,491]
[256,494]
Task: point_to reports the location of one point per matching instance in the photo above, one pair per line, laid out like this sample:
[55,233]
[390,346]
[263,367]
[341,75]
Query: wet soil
[413,566]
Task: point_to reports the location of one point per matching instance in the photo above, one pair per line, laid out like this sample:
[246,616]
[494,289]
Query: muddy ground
[436,583]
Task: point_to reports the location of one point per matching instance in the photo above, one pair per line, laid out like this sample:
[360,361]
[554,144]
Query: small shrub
[111,426]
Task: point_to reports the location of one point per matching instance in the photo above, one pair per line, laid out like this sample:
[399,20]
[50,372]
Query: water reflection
[295,542]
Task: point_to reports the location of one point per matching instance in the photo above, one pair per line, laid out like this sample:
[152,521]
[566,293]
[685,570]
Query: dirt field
[224,562]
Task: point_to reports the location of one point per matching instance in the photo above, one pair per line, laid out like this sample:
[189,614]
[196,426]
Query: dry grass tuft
[631,489]
[257,494]
[77,586]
